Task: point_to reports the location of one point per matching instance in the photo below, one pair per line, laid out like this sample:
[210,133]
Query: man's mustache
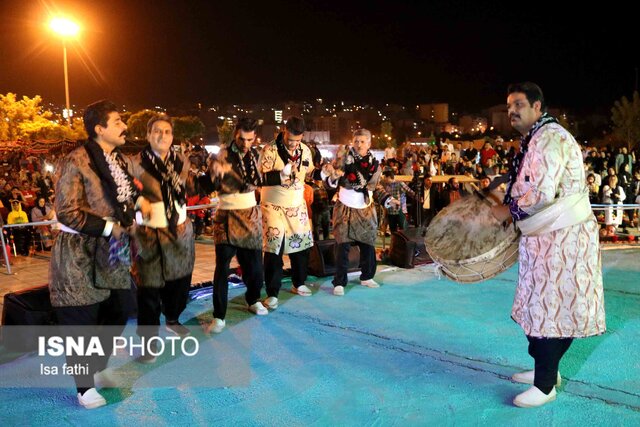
[124,133]
[514,115]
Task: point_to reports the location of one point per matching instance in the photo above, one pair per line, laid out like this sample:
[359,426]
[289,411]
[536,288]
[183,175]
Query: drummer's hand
[217,169]
[393,202]
[501,213]
[117,231]
[145,208]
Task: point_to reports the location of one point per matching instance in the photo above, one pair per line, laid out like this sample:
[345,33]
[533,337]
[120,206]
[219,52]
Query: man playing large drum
[559,294]
[354,215]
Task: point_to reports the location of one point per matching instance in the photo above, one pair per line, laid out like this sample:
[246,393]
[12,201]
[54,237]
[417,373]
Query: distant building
[434,113]
[319,137]
[499,119]
[472,124]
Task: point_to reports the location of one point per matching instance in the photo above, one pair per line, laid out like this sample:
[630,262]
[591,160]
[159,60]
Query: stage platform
[417,351]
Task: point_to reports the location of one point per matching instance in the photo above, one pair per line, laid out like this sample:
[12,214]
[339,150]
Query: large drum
[467,243]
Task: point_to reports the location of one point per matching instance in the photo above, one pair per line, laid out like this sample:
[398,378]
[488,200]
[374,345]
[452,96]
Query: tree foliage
[188,127]
[625,116]
[137,123]
[385,137]
[225,132]
[25,120]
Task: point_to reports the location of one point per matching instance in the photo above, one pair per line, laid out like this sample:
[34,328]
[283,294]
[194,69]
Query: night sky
[146,53]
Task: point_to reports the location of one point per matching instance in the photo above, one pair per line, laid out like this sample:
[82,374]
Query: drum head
[469,243]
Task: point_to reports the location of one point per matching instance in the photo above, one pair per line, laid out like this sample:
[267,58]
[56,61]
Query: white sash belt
[353,198]
[67,229]
[565,212]
[237,201]
[158,217]
[285,197]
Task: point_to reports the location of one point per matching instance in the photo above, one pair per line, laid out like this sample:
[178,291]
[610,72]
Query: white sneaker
[301,290]
[258,309]
[533,398]
[369,283]
[271,303]
[527,378]
[91,399]
[338,290]
[216,326]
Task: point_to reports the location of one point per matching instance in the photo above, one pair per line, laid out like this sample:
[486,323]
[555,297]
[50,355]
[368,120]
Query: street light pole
[66,81]
[65,28]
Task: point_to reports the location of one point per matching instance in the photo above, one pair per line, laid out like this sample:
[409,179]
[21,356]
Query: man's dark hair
[246,124]
[531,90]
[97,114]
[295,125]
[159,118]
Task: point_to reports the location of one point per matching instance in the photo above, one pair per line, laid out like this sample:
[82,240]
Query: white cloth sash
[564,212]
[67,229]
[280,196]
[158,217]
[353,198]
[237,201]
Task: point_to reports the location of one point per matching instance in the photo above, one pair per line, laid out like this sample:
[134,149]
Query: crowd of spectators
[613,177]
[26,195]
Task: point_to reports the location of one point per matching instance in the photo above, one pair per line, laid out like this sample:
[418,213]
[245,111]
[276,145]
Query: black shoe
[178,329]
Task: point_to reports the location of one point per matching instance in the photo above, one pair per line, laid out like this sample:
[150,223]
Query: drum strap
[564,212]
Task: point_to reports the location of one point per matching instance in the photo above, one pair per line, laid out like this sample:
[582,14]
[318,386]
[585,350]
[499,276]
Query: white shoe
[369,283]
[271,303]
[91,399]
[534,397]
[338,290]
[258,309]
[301,290]
[216,326]
[527,378]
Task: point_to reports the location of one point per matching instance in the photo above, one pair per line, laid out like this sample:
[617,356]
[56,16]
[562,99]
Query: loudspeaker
[322,258]
[28,307]
[407,248]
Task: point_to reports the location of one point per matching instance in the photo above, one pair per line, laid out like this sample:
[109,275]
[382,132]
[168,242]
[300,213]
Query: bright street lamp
[65,29]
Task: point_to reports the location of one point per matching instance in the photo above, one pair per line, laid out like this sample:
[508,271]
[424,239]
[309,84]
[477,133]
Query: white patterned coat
[291,223]
[559,292]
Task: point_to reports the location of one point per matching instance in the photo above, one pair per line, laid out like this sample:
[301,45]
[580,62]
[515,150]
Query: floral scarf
[168,174]
[358,170]
[118,185]
[545,119]
[248,167]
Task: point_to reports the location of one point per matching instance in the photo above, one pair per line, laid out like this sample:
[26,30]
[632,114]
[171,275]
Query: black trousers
[22,240]
[171,300]
[546,353]
[396,221]
[427,216]
[105,320]
[320,221]
[250,261]
[367,262]
[273,270]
